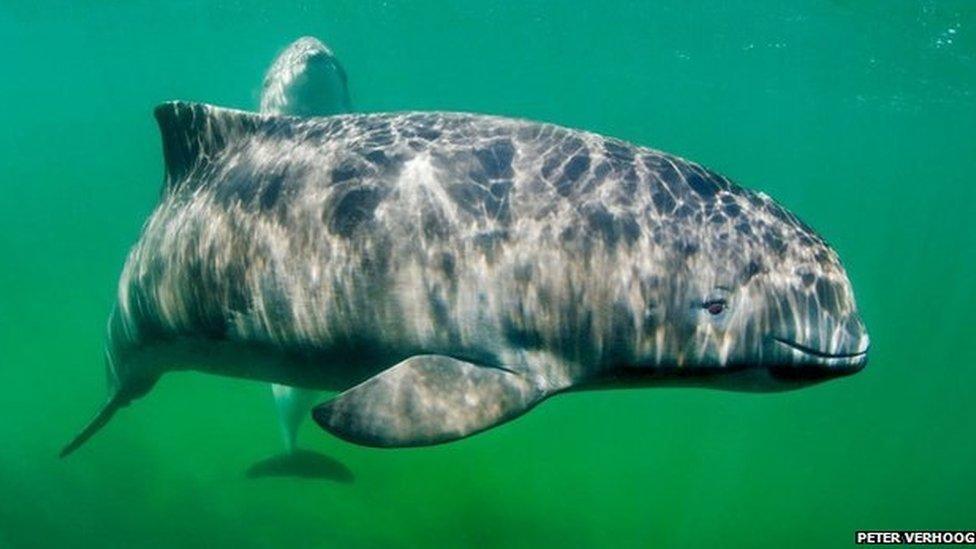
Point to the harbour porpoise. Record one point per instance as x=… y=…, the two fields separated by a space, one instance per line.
x=447 y=272
x=305 y=79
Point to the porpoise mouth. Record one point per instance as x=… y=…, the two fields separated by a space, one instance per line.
x=816 y=352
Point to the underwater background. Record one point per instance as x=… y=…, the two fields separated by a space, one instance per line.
x=859 y=116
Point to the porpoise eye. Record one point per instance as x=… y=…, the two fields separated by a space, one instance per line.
x=715 y=306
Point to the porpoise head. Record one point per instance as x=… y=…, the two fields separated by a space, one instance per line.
x=306 y=79
x=753 y=299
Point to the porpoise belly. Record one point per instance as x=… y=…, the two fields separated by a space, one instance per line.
x=334 y=369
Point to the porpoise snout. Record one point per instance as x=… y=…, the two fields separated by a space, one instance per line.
x=832 y=348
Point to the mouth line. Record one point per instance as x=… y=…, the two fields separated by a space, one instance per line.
x=814 y=352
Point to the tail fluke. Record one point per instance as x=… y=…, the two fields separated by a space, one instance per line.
x=99 y=421
x=301 y=464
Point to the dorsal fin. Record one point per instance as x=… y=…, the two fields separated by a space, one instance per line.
x=194 y=134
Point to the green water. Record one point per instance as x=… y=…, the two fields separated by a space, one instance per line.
x=858 y=116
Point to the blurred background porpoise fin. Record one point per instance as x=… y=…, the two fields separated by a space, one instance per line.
x=293 y=405
x=301 y=464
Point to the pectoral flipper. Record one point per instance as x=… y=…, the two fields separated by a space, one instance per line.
x=428 y=399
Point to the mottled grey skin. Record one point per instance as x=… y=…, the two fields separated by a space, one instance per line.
x=499 y=261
